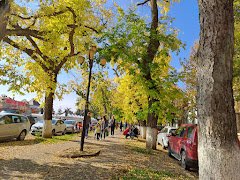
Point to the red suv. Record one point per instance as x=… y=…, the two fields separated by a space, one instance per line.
x=183 y=144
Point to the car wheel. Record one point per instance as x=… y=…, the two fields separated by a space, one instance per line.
x=169 y=151
x=183 y=160
x=64 y=132
x=53 y=132
x=21 y=136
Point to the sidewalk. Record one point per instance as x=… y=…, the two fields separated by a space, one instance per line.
x=117 y=157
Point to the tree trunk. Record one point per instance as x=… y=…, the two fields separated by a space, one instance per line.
x=48 y=110
x=151 y=140
x=151 y=135
x=219 y=153
x=4 y=9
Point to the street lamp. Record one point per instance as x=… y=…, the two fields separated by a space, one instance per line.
x=91 y=54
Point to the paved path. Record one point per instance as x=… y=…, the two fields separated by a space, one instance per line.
x=28 y=160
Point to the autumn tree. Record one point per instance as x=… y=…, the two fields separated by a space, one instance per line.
x=52 y=39
x=145 y=48
x=218 y=149
x=190 y=79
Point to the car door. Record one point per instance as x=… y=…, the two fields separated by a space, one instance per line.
x=57 y=126
x=191 y=144
x=180 y=133
x=17 y=125
x=62 y=125
x=5 y=122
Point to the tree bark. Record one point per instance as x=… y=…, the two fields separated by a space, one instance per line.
x=218 y=150
x=152 y=49
x=48 y=109
x=151 y=134
x=4 y=9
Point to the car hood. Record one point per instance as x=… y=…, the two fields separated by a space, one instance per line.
x=38 y=125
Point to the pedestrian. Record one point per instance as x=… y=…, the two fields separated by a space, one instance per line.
x=126 y=125
x=98 y=130
x=121 y=126
x=112 y=124
x=105 y=127
x=88 y=122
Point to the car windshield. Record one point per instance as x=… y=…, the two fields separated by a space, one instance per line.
x=69 y=122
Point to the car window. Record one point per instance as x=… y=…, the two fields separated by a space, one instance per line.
x=180 y=131
x=16 y=119
x=164 y=130
x=171 y=130
x=6 y=120
x=23 y=119
x=190 y=132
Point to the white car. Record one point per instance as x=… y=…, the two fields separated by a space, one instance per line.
x=58 y=127
x=13 y=126
x=71 y=126
x=162 y=136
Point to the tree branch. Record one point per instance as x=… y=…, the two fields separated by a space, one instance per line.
x=24 y=32
x=39 y=16
x=140 y=4
x=38 y=51
x=29 y=52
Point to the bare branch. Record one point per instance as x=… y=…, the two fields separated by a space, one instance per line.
x=39 y=16
x=116 y=72
x=140 y=4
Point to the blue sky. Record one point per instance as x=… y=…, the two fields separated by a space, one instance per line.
x=186 y=21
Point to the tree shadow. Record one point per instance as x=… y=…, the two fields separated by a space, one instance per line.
x=7 y=143
x=28 y=169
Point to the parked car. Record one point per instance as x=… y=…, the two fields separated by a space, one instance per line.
x=71 y=126
x=32 y=120
x=183 y=145
x=162 y=136
x=13 y=126
x=58 y=127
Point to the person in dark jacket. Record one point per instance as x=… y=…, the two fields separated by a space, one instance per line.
x=113 y=125
x=121 y=126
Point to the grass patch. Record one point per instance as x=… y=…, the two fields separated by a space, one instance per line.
x=55 y=139
x=142 y=150
x=146 y=174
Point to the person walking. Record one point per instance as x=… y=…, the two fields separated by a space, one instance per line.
x=88 y=122
x=121 y=126
x=113 y=124
x=98 y=130
x=104 y=127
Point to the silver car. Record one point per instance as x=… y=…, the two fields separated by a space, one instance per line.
x=71 y=126
x=58 y=127
x=13 y=126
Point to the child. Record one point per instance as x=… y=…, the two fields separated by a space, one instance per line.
x=98 y=130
